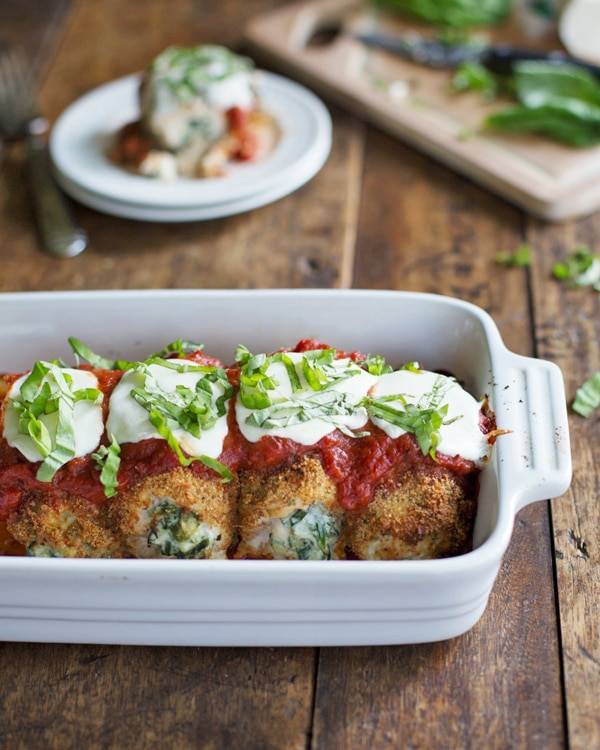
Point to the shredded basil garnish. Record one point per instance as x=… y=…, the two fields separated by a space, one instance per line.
x=163 y=429
x=83 y=351
x=521 y=258
x=414 y=367
x=424 y=419
x=581 y=268
x=587 y=398
x=108 y=460
x=191 y=409
x=376 y=365
x=318 y=368
x=330 y=406
x=179 y=347
x=48 y=390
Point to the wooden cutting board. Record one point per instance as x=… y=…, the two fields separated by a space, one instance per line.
x=415 y=103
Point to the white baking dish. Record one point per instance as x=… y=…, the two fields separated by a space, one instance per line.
x=269 y=603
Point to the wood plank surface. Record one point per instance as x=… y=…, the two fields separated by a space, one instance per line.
x=423 y=228
x=32 y=25
x=567 y=326
x=504 y=684
x=89 y=696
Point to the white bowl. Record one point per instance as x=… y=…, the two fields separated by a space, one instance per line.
x=82 y=135
x=289 y=603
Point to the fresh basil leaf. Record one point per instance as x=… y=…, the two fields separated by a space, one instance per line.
x=83 y=351
x=108 y=460
x=520 y=258
x=218 y=467
x=414 y=367
x=179 y=347
x=376 y=365
x=581 y=268
x=166 y=433
x=587 y=398
x=453 y=13
x=473 y=76
x=40 y=435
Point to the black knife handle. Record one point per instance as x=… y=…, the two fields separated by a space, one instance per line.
x=501 y=59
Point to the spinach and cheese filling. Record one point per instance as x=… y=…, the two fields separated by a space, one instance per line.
x=175 y=532
x=305 y=534
x=177 y=514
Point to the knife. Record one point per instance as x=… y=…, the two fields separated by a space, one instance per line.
x=499 y=58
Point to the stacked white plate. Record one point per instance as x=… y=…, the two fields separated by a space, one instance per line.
x=82 y=136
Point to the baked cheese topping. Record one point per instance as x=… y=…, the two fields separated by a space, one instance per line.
x=421 y=395
x=182 y=388
x=188 y=90
x=54 y=410
x=301 y=396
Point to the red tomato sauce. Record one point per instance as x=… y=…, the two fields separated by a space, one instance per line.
x=356 y=465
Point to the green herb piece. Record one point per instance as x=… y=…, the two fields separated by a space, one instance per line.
x=48 y=390
x=376 y=365
x=472 y=76
x=327 y=405
x=254 y=381
x=454 y=13
x=581 y=268
x=412 y=367
x=108 y=460
x=587 y=398
x=83 y=351
x=179 y=347
x=163 y=429
x=188 y=71
x=322 y=370
x=521 y=258
x=424 y=419
x=557 y=100
x=193 y=409
x=424 y=424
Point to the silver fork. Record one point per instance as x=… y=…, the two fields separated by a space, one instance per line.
x=20 y=120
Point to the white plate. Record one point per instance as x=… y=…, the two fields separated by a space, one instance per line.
x=289 y=602
x=200 y=213
x=83 y=133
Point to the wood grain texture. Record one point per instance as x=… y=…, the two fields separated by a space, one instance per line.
x=567 y=326
x=303 y=240
x=64 y=697
x=33 y=25
x=498 y=686
x=87 y=696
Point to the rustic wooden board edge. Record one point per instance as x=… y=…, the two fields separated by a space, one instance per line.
x=277 y=38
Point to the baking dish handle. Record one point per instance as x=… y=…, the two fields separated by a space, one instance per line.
x=534 y=462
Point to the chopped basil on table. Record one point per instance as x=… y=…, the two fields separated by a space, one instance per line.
x=521 y=258
x=581 y=268
x=587 y=398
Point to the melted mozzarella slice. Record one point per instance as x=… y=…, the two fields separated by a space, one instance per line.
x=310 y=432
x=128 y=421
x=462 y=437
x=87 y=418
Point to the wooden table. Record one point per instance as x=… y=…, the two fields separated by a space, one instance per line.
x=379 y=215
